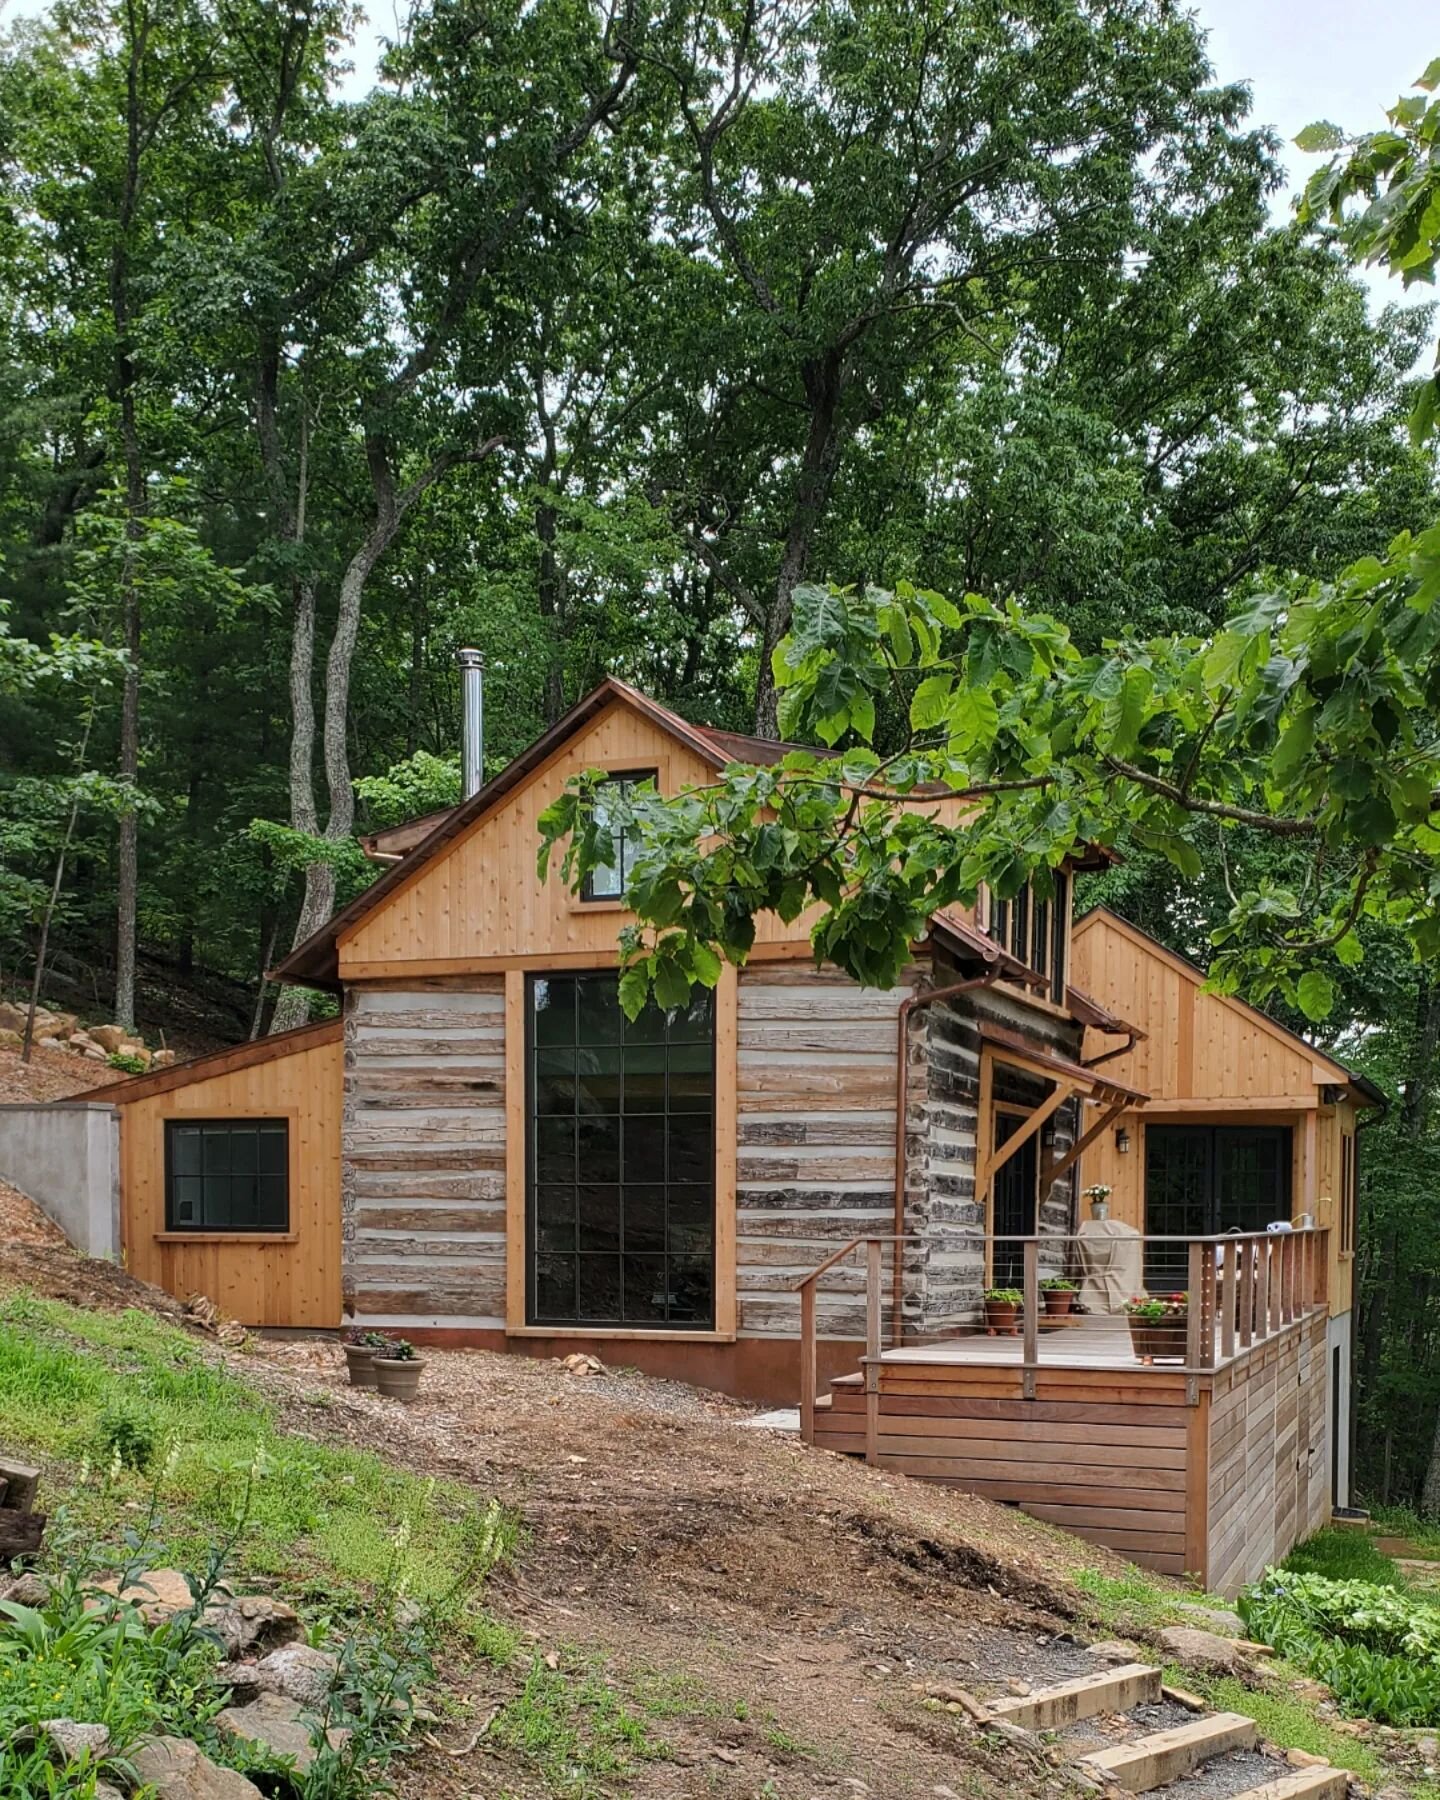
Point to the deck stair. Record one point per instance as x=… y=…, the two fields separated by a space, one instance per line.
x=1145 y=1761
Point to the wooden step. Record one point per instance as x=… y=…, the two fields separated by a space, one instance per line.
x=1164 y=1756
x=1304 y=1784
x=1112 y=1690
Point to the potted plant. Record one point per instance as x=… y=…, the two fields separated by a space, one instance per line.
x=1099 y=1197
x=398 y=1369
x=1158 y=1326
x=1002 y=1307
x=1059 y=1292
x=360 y=1347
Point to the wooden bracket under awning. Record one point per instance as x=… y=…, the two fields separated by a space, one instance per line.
x=997 y=1044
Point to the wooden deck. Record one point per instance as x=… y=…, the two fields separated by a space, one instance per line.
x=1210 y=1472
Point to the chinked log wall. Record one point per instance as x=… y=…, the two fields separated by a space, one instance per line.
x=815 y=1158
x=423 y=1182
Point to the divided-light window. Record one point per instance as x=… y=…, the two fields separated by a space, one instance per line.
x=609 y=881
x=1035 y=932
x=227 y=1175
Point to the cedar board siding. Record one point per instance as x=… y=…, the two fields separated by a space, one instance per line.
x=424 y=1154
x=256 y=1279
x=1216 y=1489
x=1208 y=1060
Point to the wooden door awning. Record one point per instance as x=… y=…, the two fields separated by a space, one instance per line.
x=1094 y=1084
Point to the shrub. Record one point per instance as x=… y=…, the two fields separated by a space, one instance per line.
x=127 y=1062
x=126 y=1438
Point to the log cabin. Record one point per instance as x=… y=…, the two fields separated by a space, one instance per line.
x=793 y=1186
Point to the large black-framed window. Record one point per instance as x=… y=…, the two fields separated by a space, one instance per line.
x=1201 y=1180
x=227 y=1174
x=609 y=881
x=620 y=1194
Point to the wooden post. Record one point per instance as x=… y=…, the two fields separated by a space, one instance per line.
x=1277 y=1277
x=1262 y=1287
x=1195 y=1322
x=1244 y=1252
x=1229 y=1297
x=808 y=1371
x=1031 y=1318
x=872 y=1349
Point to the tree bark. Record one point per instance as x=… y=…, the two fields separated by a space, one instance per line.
x=1415 y=1118
x=824 y=443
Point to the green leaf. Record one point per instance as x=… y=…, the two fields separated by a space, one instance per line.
x=931 y=702
x=1322 y=135
x=1315 y=993
x=1295 y=745
x=705 y=964
x=634 y=991
x=672 y=985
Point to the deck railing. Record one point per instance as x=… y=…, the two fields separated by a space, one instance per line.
x=1239 y=1290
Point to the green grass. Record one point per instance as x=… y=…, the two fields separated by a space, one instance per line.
x=1344 y=1555
x=574 y=1729
x=1400 y=1521
x=1285 y=1719
x=1125 y=1602
x=333 y=1521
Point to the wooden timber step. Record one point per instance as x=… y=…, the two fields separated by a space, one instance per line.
x=1114 y=1690
x=1304 y=1784
x=1164 y=1756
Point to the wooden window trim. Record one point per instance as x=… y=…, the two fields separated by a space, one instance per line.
x=273 y=1115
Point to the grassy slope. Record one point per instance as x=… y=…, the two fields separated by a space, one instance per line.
x=329 y=1522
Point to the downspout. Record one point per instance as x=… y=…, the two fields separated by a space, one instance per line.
x=1132 y=1038
x=902 y=1107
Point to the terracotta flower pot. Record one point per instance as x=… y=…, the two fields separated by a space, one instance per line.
x=1000 y=1317
x=1058 y=1301
x=397 y=1378
x=360 y=1361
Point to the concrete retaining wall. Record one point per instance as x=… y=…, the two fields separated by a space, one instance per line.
x=67 y=1159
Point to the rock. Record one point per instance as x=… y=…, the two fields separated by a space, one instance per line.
x=10 y=1040
x=297 y=1672
x=1112 y=1650
x=278 y=1726
x=1219 y=1619
x=12 y=1018
x=179 y=1770
x=73 y=1742
x=28 y=1589
x=240 y=1679
x=252 y=1622
x=104 y=1791
x=48 y=1043
x=135 y=1050
x=95 y=1053
x=1201 y=1650
x=108 y=1037
x=163 y=1059
x=1302 y=1759
x=159 y=1594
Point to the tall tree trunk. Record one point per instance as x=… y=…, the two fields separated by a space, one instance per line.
x=550 y=593
x=825 y=440
x=56 y=883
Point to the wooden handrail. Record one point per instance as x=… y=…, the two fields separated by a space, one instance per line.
x=874 y=1243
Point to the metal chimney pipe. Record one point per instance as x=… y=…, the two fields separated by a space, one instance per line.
x=472 y=706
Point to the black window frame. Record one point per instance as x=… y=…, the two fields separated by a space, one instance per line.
x=689 y=1193
x=629 y=778
x=211 y=1220
x=1059 y=937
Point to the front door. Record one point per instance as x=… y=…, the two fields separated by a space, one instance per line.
x=1012 y=1208
x=1201 y=1180
x=620 y=1225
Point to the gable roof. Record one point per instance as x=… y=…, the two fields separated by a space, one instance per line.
x=1192 y=972
x=220 y=1062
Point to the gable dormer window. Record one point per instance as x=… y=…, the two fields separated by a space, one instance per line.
x=609 y=881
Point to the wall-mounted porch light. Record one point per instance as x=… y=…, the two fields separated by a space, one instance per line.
x=1122 y=1141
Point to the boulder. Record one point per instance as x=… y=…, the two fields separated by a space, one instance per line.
x=163 y=1059
x=71 y=1742
x=159 y=1594
x=48 y=1043
x=11 y=1040
x=239 y=1678
x=131 y=1047
x=12 y=1018
x=1219 y=1619
x=1201 y=1650
x=1112 y=1650
x=297 y=1672
x=179 y=1770
x=108 y=1037
x=252 y=1622
x=278 y=1726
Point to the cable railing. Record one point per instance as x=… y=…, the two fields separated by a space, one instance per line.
x=1105 y=1298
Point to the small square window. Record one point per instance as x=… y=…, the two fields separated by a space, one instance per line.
x=227 y=1175
x=608 y=882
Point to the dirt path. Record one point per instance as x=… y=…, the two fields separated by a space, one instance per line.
x=778 y=1612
